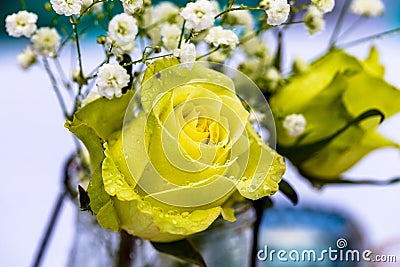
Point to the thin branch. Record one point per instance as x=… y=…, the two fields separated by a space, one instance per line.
x=182 y=33
x=49 y=229
x=54 y=83
x=339 y=23
x=78 y=49
x=209 y=52
x=350 y=28
x=62 y=73
x=238 y=8
x=369 y=38
x=144 y=59
x=23 y=5
x=343 y=181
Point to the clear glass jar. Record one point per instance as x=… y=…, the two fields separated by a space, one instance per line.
x=223 y=244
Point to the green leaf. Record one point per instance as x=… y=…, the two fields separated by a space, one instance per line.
x=372 y=65
x=90 y=139
x=98 y=196
x=299 y=153
x=108 y=217
x=102 y=115
x=183 y=249
x=288 y=191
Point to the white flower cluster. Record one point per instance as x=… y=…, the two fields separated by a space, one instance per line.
x=27 y=58
x=218 y=36
x=22 y=23
x=368 y=8
x=132 y=6
x=111 y=78
x=324 y=5
x=167 y=30
x=199 y=15
x=45 y=41
x=294 y=124
x=277 y=11
x=122 y=31
x=314 y=19
x=170 y=36
x=187 y=54
x=67 y=7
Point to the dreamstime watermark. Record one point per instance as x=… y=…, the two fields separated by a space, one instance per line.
x=339 y=253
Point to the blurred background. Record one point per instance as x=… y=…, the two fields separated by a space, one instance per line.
x=35 y=145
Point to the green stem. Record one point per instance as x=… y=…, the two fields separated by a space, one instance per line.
x=238 y=8
x=209 y=52
x=142 y=59
x=341 y=181
x=53 y=81
x=339 y=23
x=62 y=74
x=88 y=8
x=279 y=53
x=229 y=6
x=78 y=48
x=23 y=5
x=182 y=33
x=369 y=38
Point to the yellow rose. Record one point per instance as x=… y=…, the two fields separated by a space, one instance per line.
x=182 y=148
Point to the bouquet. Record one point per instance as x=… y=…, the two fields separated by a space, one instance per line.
x=190 y=113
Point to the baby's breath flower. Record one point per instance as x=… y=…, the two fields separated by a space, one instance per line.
x=240 y=17
x=170 y=36
x=132 y=6
x=26 y=58
x=166 y=12
x=111 y=78
x=187 y=54
x=120 y=49
x=221 y=37
x=45 y=41
x=20 y=24
x=314 y=20
x=199 y=15
x=277 y=12
x=273 y=77
x=324 y=5
x=295 y=124
x=368 y=8
x=122 y=29
x=67 y=7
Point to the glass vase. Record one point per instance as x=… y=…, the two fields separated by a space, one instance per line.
x=223 y=244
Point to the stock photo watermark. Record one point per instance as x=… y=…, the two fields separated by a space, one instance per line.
x=338 y=253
